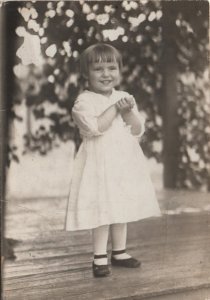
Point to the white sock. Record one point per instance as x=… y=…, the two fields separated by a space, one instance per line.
x=100 y=238
x=122 y=256
x=101 y=261
x=119 y=236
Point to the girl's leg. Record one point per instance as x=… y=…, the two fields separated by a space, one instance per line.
x=119 y=237
x=100 y=239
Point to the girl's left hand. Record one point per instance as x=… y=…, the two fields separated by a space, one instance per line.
x=125 y=104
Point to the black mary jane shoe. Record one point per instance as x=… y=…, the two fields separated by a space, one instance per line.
x=126 y=263
x=130 y=262
x=100 y=270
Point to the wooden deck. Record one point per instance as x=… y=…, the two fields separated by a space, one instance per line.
x=52 y=264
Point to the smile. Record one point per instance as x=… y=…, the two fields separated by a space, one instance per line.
x=106 y=81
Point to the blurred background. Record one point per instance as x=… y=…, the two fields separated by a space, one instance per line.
x=164 y=45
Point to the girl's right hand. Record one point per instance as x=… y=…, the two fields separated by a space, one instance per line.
x=125 y=105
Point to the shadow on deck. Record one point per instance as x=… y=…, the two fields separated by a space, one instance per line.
x=52 y=264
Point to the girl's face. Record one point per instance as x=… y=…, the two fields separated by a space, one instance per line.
x=103 y=77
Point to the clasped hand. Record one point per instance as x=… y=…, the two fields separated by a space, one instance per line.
x=125 y=104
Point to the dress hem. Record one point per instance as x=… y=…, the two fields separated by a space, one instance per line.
x=110 y=223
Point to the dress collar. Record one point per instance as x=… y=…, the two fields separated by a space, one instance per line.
x=109 y=97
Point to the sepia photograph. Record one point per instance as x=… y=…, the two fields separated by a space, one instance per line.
x=105 y=150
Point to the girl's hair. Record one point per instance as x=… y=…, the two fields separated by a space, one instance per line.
x=99 y=53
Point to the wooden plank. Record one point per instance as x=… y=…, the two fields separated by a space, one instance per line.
x=159 y=261
x=115 y=287
x=56 y=264
x=168 y=267
x=57 y=253
x=164 y=252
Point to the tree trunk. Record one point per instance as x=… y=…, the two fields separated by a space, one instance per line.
x=9 y=21
x=170 y=101
x=2 y=125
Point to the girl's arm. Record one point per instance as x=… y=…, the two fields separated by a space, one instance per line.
x=130 y=118
x=88 y=122
x=129 y=115
x=106 y=118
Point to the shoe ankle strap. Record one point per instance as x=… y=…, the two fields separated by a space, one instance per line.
x=116 y=252
x=100 y=256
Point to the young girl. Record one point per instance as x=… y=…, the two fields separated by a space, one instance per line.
x=110 y=185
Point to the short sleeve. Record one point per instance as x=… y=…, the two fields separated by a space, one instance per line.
x=85 y=118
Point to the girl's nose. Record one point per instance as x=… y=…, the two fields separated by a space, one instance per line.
x=105 y=72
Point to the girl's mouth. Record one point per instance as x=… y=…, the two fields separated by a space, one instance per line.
x=106 y=82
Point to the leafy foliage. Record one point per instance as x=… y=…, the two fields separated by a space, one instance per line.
x=194 y=131
x=193 y=96
x=65 y=28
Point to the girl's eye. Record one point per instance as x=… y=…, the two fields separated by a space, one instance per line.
x=97 y=69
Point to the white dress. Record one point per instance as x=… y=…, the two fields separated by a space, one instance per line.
x=111 y=182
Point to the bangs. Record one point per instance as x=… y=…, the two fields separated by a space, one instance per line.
x=102 y=56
